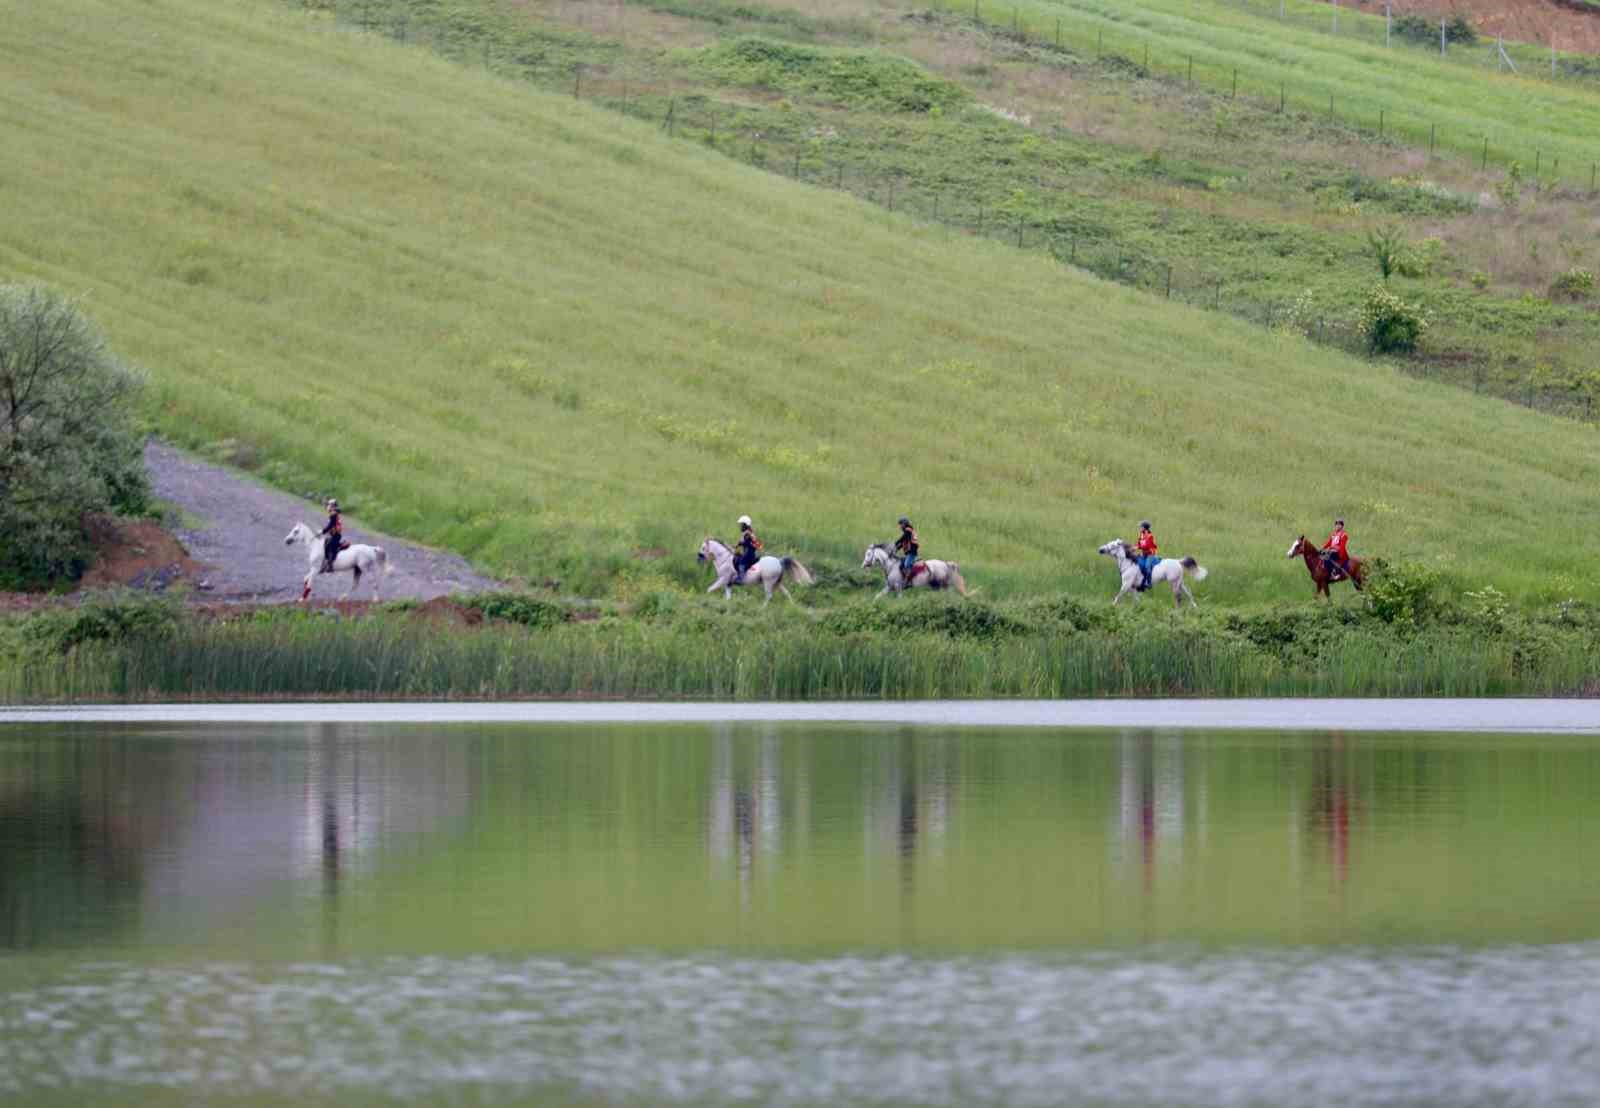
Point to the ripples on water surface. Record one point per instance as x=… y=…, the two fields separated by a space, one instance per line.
x=796 y=915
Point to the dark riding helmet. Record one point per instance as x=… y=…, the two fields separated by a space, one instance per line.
x=1338 y=523
x=1144 y=525
x=905 y=521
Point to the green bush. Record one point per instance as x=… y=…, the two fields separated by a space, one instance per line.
x=514 y=607
x=1419 y=28
x=111 y=617
x=1401 y=593
x=1391 y=325
x=923 y=615
x=856 y=77
x=1575 y=284
x=68 y=442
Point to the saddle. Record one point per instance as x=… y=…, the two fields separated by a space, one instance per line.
x=917 y=571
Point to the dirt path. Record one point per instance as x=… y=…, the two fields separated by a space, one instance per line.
x=234 y=528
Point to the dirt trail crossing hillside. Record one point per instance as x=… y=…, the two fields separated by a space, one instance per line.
x=235 y=528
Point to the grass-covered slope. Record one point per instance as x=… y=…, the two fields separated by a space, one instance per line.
x=549 y=337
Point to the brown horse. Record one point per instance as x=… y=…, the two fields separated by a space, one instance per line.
x=1321 y=572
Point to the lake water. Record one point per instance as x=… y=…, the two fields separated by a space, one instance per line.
x=798 y=913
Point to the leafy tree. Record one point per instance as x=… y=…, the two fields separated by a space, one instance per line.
x=68 y=443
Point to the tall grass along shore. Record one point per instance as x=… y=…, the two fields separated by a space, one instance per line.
x=135 y=649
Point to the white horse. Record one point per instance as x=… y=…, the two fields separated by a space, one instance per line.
x=1167 y=569
x=357 y=559
x=938 y=575
x=768 y=572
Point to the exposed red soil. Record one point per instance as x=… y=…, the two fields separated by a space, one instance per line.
x=1574 y=24
x=137 y=553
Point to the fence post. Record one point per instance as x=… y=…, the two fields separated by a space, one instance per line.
x=1282 y=94
x=672 y=107
x=838 y=182
x=1191 y=69
x=1100 y=42
x=1014 y=23
x=1235 y=93
x=1147 y=57
x=1019 y=232
x=797 y=169
x=1169 y=280
x=1380 y=122
x=1388 y=23
x=1591 y=177
x=1433 y=133
x=1072 y=252
x=577 y=80
x=1538 y=160
x=1058 y=32
x=1441 y=36
x=1485 y=163
x=1330 y=105
x=1335 y=16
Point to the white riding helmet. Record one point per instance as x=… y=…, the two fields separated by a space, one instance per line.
x=744 y=521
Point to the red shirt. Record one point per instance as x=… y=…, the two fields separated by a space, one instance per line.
x=1147 y=542
x=1337 y=542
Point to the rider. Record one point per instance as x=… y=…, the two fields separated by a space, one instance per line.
x=906 y=546
x=747 y=552
x=335 y=532
x=1336 y=551
x=1147 y=551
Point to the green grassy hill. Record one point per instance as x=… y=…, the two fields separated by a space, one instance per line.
x=552 y=338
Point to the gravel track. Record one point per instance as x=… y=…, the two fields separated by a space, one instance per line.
x=236 y=527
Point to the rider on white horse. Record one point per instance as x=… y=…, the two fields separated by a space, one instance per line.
x=335 y=533
x=907 y=547
x=1147 y=551
x=747 y=552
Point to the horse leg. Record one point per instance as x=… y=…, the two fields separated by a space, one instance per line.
x=784 y=589
x=1193 y=603
x=306 y=592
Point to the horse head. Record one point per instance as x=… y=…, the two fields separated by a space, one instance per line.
x=875 y=555
x=1298 y=548
x=708 y=549
x=298 y=533
x=1115 y=548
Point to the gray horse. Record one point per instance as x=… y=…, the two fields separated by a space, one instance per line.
x=938 y=575
x=1171 y=570
x=769 y=572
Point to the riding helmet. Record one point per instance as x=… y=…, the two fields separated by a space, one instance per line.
x=333 y=503
x=1144 y=524
x=744 y=521
x=1338 y=523
x=905 y=521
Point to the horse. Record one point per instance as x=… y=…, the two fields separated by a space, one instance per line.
x=1321 y=572
x=1167 y=569
x=931 y=574
x=357 y=558
x=768 y=572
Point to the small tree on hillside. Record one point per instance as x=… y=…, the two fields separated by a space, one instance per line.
x=1386 y=245
x=68 y=444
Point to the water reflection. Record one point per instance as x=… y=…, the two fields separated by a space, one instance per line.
x=333 y=840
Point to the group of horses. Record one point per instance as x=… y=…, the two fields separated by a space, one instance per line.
x=770 y=572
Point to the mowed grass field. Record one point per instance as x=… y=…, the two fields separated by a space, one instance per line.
x=548 y=337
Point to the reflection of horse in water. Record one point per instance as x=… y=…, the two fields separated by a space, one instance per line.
x=1333 y=802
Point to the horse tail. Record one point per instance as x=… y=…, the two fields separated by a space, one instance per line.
x=1195 y=568
x=956 y=581
x=383 y=561
x=801 y=575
